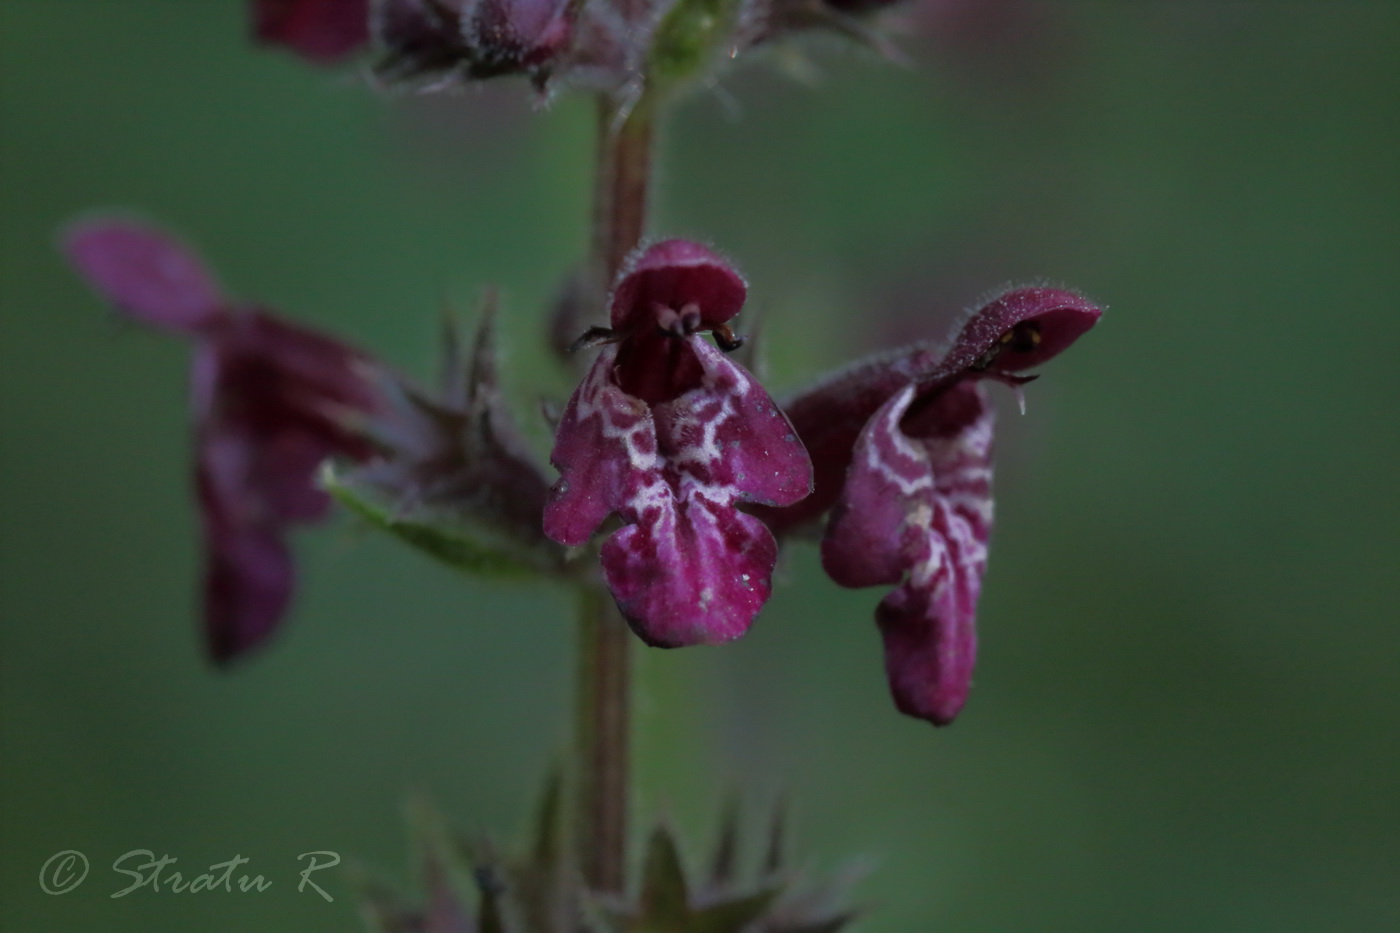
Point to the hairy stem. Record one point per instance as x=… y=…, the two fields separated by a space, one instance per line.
x=622 y=185
x=604 y=680
x=603 y=754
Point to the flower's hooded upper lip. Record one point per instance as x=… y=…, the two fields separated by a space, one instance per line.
x=674 y=274
x=829 y=415
x=1058 y=319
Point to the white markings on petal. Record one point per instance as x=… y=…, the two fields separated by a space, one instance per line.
x=889 y=430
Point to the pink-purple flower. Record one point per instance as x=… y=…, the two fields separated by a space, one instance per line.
x=271 y=402
x=903 y=452
x=671 y=436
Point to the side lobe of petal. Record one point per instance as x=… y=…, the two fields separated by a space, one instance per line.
x=148 y=274
x=604 y=448
x=730 y=436
x=888 y=487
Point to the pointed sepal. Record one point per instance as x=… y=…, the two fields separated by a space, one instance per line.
x=454 y=478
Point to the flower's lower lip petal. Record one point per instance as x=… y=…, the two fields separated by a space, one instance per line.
x=930 y=650
x=248 y=583
x=693 y=573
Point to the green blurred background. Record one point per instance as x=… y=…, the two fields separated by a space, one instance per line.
x=1187 y=710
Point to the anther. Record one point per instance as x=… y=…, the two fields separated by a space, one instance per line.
x=1023 y=338
x=595 y=336
x=726 y=338
x=680 y=323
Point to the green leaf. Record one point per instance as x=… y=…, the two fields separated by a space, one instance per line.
x=455 y=540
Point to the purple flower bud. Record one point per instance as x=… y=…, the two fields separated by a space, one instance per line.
x=271 y=402
x=902 y=447
x=509 y=36
x=670 y=435
x=475 y=39
x=419 y=37
x=321 y=31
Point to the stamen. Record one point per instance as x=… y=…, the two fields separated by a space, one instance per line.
x=675 y=323
x=727 y=340
x=595 y=336
x=1023 y=338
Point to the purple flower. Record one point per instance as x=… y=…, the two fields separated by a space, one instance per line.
x=903 y=452
x=271 y=401
x=670 y=435
x=321 y=31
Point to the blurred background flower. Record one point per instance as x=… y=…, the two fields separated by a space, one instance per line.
x=1186 y=693
x=322 y=31
x=269 y=403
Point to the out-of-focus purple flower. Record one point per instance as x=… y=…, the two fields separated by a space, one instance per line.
x=671 y=436
x=902 y=446
x=321 y=31
x=271 y=401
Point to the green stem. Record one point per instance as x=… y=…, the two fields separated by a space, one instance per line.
x=604 y=681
